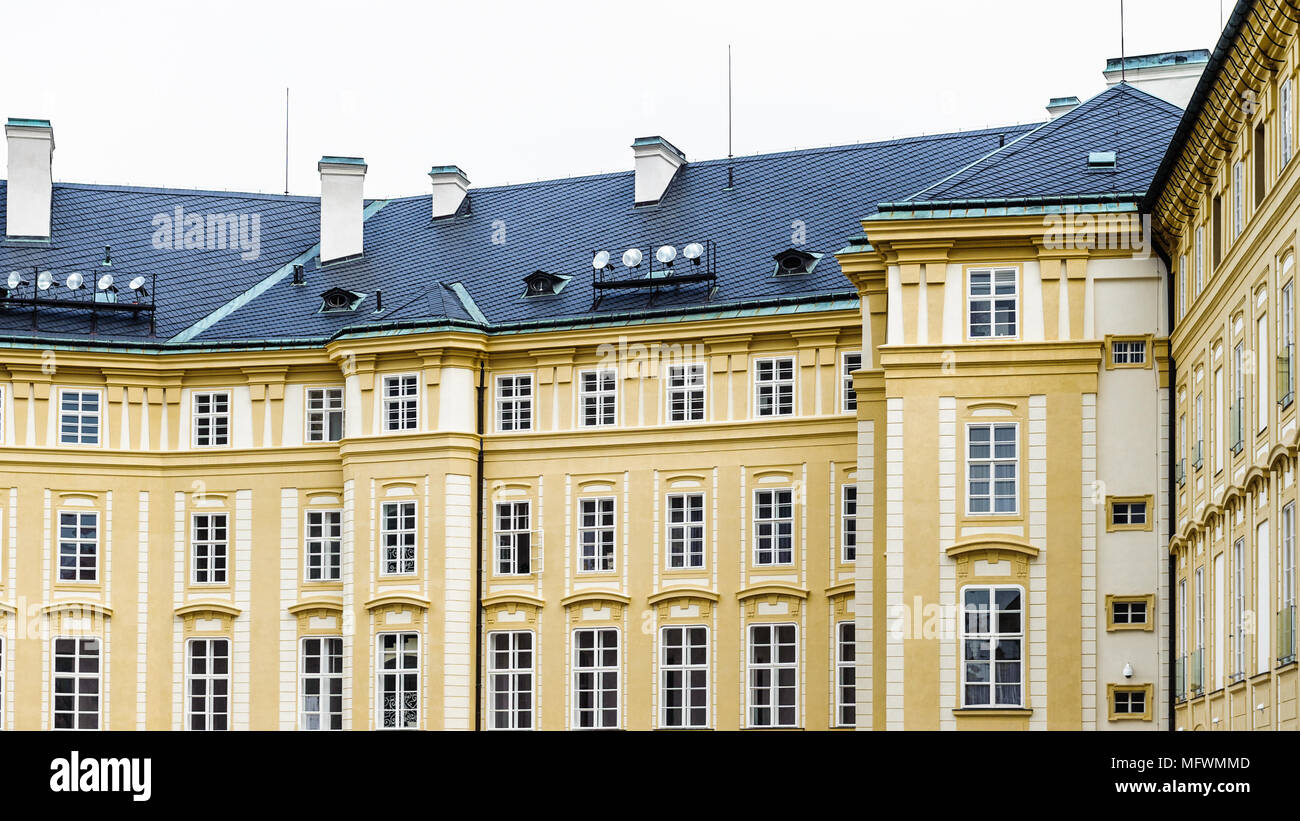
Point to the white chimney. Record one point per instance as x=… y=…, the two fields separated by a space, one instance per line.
x=341 y=205
x=1171 y=75
x=656 y=162
x=1060 y=105
x=449 y=190
x=27 y=195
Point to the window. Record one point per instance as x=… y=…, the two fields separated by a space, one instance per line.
x=1286 y=352
x=1287 y=130
x=1182 y=286
x=595 y=678
x=1129 y=612
x=686 y=392
x=1200 y=608
x=510 y=680
x=79 y=417
x=992 y=465
x=1128 y=352
x=1219 y=409
x=1239 y=608
x=598 y=398
x=1238 y=199
x=992 y=303
x=209 y=684
x=1237 y=411
x=992 y=644
x=1130 y=701
x=848 y=364
x=401 y=402
x=685 y=530
x=322 y=683
x=684 y=677
x=849 y=523
x=76 y=684
x=210 y=548
x=78 y=547
x=1261 y=373
x=399 y=681
x=514 y=403
x=211 y=420
x=1182 y=448
x=1287 y=627
x=397 y=535
x=773 y=527
x=1200 y=431
x=596 y=534
x=1260 y=178
x=1200 y=258
x=1182 y=617
x=774 y=386
x=324 y=414
x=1129 y=513
x=1216 y=232
x=513 y=538
x=846 y=671
x=324 y=545
x=773 y=675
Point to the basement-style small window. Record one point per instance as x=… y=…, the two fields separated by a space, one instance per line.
x=338 y=300
x=792 y=261
x=542 y=283
x=1101 y=160
x=1128 y=513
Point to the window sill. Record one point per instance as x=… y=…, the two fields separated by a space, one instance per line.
x=1004 y=712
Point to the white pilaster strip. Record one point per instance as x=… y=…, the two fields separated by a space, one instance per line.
x=349 y=597
x=458 y=618
x=863 y=567
x=1162 y=563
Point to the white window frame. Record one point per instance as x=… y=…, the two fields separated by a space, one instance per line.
x=679 y=529
x=993 y=461
x=1199 y=263
x=513 y=540
x=401 y=675
x=1262 y=402
x=214 y=567
x=848 y=398
x=848 y=522
x=82 y=416
x=78 y=544
x=1182 y=625
x=1182 y=286
x=212 y=702
x=1129 y=512
x=328 y=545
x=1128 y=352
x=316 y=422
x=846 y=671
x=992 y=299
x=598 y=531
x=1239 y=607
x=76 y=676
x=1200 y=614
x=599 y=669
x=514 y=680
x=1238 y=199
x=325 y=678
x=216 y=423
x=399 y=535
x=406 y=404
x=1287 y=137
x=773 y=666
x=777 y=386
x=1131 y=609
x=770 y=542
x=693 y=389
x=690 y=716
x=993 y=634
x=514 y=412
x=603 y=399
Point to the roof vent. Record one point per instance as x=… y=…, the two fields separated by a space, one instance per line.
x=339 y=300
x=656 y=162
x=542 y=283
x=1101 y=160
x=793 y=261
x=1061 y=105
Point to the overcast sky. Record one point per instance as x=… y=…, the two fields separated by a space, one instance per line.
x=192 y=95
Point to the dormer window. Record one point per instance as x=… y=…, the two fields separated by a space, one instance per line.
x=338 y=300
x=793 y=261
x=1101 y=160
x=541 y=283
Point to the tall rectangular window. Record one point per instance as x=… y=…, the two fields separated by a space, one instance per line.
x=774 y=527
x=211 y=419
x=598 y=398
x=849 y=522
x=515 y=403
x=686 y=392
x=685 y=530
x=510 y=680
x=401 y=402
x=1182 y=286
x=324 y=414
x=398 y=691
x=992 y=468
x=773 y=675
x=397 y=537
x=208 y=688
x=992 y=647
x=1237 y=413
x=1239 y=607
x=1199 y=263
x=774 y=386
x=846 y=671
x=1200 y=608
x=76 y=692
x=851 y=362
x=595 y=678
x=596 y=529
x=1238 y=199
x=1261 y=373
x=1216 y=231
x=322 y=683
x=324 y=545
x=1200 y=430
x=992 y=301
x=210 y=548
x=78 y=547
x=1286 y=581
x=79 y=417
x=1261 y=179
x=514 y=538
x=1219 y=409
x=684 y=677
x=1182 y=617
x=1286 y=352
x=1285 y=115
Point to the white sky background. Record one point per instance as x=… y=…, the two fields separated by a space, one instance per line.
x=192 y=95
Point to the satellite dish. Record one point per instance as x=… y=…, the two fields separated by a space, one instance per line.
x=600 y=260
x=74 y=281
x=45 y=280
x=693 y=251
x=15 y=279
x=666 y=254
x=105 y=282
x=137 y=283
x=632 y=257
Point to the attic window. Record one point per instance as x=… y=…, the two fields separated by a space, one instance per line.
x=542 y=283
x=793 y=261
x=338 y=300
x=1101 y=160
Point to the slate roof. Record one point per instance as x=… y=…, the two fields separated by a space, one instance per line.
x=215 y=297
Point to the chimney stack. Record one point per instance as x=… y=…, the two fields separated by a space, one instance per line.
x=656 y=162
x=1171 y=75
x=450 y=187
x=1061 y=105
x=342 y=202
x=30 y=183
